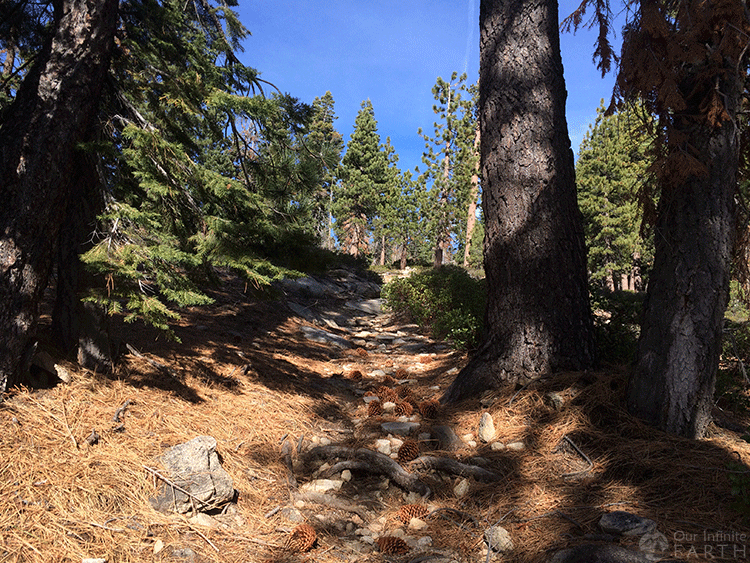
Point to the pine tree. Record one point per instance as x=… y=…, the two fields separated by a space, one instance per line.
x=610 y=172
x=362 y=177
x=450 y=158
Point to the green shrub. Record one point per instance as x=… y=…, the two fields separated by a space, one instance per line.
x=447 y=301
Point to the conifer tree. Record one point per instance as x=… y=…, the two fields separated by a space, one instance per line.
x=362 y=178
x=450 y=158
x=610 y=173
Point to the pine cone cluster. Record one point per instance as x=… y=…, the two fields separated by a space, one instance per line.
x=429 y=409
x=408 y=451
x=404 y=408
x=386 y=394
x=388 y=380
x=375 y=408
x=392 y=545
x=409 y=511
x=301 y=539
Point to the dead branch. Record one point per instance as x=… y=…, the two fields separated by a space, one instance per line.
x=119 y=412
x=158 y=365
x=376 y=463
x=583 y=455
x=286 y=454
x=333 y=502
x=456 y=468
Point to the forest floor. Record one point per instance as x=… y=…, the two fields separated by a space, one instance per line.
x=246 y=373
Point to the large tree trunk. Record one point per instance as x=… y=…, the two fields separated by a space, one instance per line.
x=538 y=318
x=678 y=353
x=52 y=113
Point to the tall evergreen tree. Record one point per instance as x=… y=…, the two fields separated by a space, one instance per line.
x=538 y=318
x=450 y=160
x=363 y=176
x=610 y=172
x=688 y=62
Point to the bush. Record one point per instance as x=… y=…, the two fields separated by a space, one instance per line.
x=447 y=301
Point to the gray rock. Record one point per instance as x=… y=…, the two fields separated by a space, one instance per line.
x=444 y=438
x=369 y=306
x=599 y=553
x=625 y=523
x=486 y=431
x=400 y=428
x=324 y=337
x=498 y=539
x=301 y=311
x=194 y=467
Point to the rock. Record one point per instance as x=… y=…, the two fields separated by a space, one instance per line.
x=322 y=485
x=389 y=407
x=399 y=428
x=486 y=430
x=377 y=373
x=301 y=311
x=203 y=519
x=383 y=446
x=292 y=514
x=195 y=467
x=370 y=306
x=498 y=539
x=346 y=475
x=417 y=524
x=555 y=400
x=624 y=523
x=497 y=446
x=516 y=446
x=324 y=337
x=461 y=488
x=600 y=553
x=445 y=438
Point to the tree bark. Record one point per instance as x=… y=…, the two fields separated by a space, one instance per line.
x=52 y=113
x=678 y=352
x=538 y=318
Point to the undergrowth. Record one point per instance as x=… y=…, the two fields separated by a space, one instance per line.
x=447 y=301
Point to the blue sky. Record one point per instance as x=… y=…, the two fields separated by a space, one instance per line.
x=392 y=52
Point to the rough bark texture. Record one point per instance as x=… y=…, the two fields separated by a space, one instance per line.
x=678 y=354
x=471 y=215
x=51 y=115
x=538 y=317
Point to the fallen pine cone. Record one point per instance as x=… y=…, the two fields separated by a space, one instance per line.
x=361 y=352
x=301 y=539
x=429 y=409
x=404 y=408
x=409 y=511
x=375 y=408
x=391 y=545
x=386 y=394
x=408 y=451
x=355 y=375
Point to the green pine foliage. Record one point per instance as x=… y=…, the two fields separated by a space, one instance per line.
x=201 y=169
x=610 y=172
x=364 y=177
x=450 y=161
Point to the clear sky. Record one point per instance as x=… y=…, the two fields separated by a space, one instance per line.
x=392 y=52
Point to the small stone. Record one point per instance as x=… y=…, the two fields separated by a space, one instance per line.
x=325 y=441
x=389 y=407
x=424 y=542
x=322 y=485
x=383 y=446
x=498 y=539
x=396 y=443
x=516 y=446
x=377 y=373
x=299 y=504
x=346 y=475
x=203 y=519
x=158 y=546
x=471 y=444
x=497 y=446
x=461 y=488
x=417 y=524
x=486 y=430
x=467 y=437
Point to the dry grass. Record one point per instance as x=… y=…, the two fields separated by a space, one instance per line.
x=63 y=500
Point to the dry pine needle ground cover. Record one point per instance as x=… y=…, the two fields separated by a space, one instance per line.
x=245 y=375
